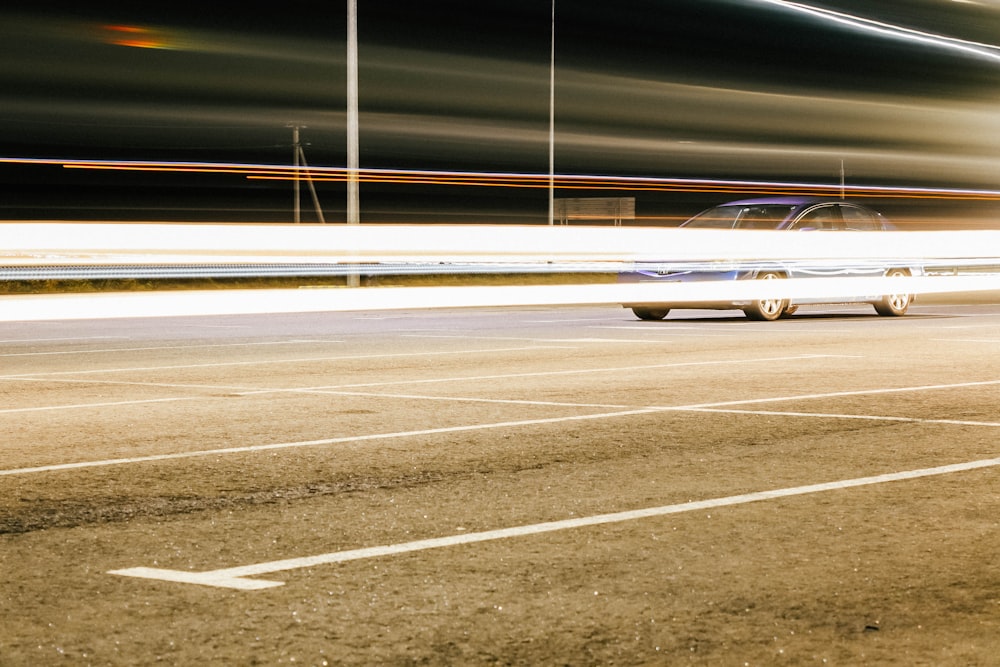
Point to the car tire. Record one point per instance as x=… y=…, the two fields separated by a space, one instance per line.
x=650 y=314
x=894 y=305
x=789 y=311
x=767 y=310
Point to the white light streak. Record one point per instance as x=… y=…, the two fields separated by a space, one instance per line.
x=240 y=302
x=33 y=244
x=977 y=49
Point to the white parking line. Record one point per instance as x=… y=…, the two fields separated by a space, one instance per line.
x=839 y=394
x=574 y=371
x=236 y=577
x=62 y=340
x=249 y=391
x=671 y=331
x=314 y=443
x=568 y=320
x=117 y=350
x=829 y=415
x=466 y=399
x=474 y=427
x=110 y=404
x=255 y=362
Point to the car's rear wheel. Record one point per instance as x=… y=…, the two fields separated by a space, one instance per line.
x=767 y=310
x=650 y=313
x=894 y=305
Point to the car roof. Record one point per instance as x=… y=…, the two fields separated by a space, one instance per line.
x=790 y=200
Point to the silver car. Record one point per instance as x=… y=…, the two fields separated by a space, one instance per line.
x=776 y=213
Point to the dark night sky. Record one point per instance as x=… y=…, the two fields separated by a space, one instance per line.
x=644 y=87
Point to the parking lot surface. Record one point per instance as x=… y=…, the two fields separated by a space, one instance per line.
x=503 y=486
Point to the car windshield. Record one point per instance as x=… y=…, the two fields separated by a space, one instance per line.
x=757 y=216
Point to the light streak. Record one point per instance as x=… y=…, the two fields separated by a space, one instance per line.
x=977 y=49
x=105 y=305
x=75 y=244
x=514 y=179
x=41 y=243
x=140 y=37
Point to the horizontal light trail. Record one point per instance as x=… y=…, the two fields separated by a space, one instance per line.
x=236 y=577
x=893 y=31
x=513 y=179
x=236 y=302
x=37 y=244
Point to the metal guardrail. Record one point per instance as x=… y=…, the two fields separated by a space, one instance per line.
x=316 y=270
x=279 y=270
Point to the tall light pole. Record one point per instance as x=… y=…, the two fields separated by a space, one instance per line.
x=552 y=118
x=353 y=203
x=353 y=200
x=295 y=165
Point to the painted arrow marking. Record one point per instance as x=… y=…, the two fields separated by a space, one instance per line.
x=236 y=577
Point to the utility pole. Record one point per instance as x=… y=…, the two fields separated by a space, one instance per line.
x=299 y=161
x=353 y=199
x=295 y=171
x=552 y=118
x=353 y=203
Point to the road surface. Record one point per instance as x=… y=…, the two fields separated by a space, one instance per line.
x=502 y=486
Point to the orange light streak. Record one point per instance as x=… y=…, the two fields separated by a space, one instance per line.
x=135 y=36
x=516 y=180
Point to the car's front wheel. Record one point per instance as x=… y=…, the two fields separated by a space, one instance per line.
x=767 y=310
x=894 y=305
x=650 y=314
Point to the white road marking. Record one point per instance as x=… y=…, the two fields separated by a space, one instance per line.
x=568 y=319
x=666 y=331
x=63 y=339
x=828 y=415
x=471 y=427
x=116 y=350
x=987 y=325
x=223 y=364
x=236 y=577
x=83 y=406
x=668 y=327
x=574 y=371
x=643 y=341
x=247 y=391
x=838 y=394
x=466 y=399
x=217 y=326
x=324 y=441
x=129 y=383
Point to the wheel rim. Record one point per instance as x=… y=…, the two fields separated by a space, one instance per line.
x=770 y=307
x=897 y=301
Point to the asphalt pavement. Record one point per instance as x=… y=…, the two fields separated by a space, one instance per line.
x=505 y=486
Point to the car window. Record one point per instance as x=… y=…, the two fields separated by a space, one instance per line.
x=762 y=217
x=758 y=216
x=720 y=217
x=857 y=219
x=820 y=218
